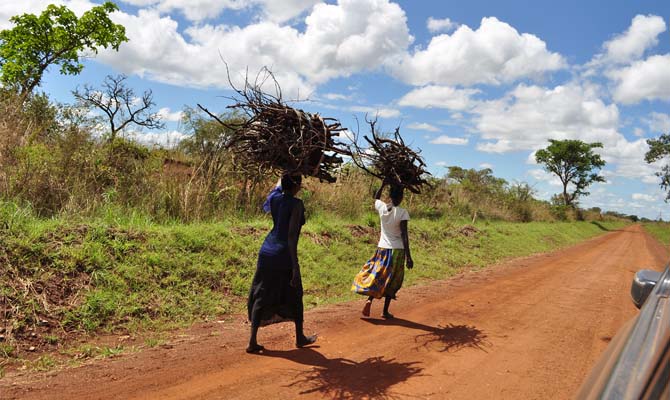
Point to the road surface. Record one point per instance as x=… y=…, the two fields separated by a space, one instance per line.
x=530 y=328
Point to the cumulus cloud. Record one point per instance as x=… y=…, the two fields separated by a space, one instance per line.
x=439 y=97
x=336 y=96
x=162 y=139
x=9 y=9
x=381 y=112
x=643 y=80
x=640 y=36
x=423 y=127
x=440 y=25
x=544 y=176
x=199 y=10
x=659 y=122
x=338 y=40
x=444 y=139
x=493 y=54
x=643 y=197
x=528 y=116
x=166 y=114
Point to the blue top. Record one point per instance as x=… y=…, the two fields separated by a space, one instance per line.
x=274 y=251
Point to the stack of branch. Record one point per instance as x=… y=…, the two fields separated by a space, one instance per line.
x=390 y=159
x=275 y=136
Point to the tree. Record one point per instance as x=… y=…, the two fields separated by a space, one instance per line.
x=56 y=37
x=574 y=162
x=659 y=149
x=120 y=105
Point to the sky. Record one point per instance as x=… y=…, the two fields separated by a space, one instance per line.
x=476 y=84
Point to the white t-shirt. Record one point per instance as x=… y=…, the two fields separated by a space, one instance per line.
x=391 y=236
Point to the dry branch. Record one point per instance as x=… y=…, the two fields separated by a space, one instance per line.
x=391 y=160
x=275 y=136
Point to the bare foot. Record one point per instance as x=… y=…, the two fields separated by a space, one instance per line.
x=366 y=308
x=305 y=341
x=255 y=348
x=387 y=315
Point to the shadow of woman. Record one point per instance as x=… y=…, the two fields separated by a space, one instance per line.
x=449 y=337
x=341 y=378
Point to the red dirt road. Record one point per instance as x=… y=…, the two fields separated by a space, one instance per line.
x=527 y=329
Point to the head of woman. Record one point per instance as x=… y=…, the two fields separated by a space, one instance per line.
x=291 y=183
x=396 y=194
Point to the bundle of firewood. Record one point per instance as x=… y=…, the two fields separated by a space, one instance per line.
x=389 y=159
x=275 y=136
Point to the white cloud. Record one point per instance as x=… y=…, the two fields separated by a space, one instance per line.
x=153 y=138
x=544 y=176
x=643 y=80
x=439 y=97
x=381 y=112
x=336 y=96
x=200 y=10
x=423 y=127
x=640 y=36
x=338 y=40
x=9 y=9
x=440 y=25
x=528 y=116
x=659 y=123
x=442 y=164
x=639 y=132
x=167 y=115
x=493 y=54
x=444 y=139
x=644 y=197
x=486 y=165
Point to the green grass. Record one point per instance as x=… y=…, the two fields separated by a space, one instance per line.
x=660 y=230
x=118 y=275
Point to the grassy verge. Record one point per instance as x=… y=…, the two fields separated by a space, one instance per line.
x=124 y=274
x=660 y=230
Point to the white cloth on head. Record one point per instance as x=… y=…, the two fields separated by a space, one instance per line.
x=390 y=216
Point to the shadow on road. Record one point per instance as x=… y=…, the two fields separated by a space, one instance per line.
x=340 y=378
x=450 y=337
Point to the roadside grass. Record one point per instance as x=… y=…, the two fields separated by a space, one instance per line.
x=122 y=273
x=660 y=230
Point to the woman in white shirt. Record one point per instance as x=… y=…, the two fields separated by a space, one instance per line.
x=383 y=274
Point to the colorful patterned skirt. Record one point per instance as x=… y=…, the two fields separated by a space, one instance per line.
x=382 y=275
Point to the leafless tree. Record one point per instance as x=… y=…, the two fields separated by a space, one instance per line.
x=120 y=104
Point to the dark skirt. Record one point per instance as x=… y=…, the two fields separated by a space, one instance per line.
x=272 y=298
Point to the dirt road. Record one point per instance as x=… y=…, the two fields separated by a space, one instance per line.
x=527 y=329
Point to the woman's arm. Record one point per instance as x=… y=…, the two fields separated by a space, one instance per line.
x=294 y=227
x=378 y=193
x=405 y=242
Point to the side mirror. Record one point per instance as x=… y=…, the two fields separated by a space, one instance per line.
x=643 y=284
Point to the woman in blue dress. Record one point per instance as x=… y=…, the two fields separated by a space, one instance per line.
x=276 y=291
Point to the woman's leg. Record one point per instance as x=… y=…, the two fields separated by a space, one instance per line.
x=387 y=303
x=366 y=307
x=254 y=347
x=300 y=339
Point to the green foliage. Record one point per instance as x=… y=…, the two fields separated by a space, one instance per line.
x=660 y=230
x=574 y=162
x=660 y=149
x=55 y=37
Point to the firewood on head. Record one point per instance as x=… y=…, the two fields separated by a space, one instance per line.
x=277 y=137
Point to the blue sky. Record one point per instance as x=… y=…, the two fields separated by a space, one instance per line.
x=474 y=83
